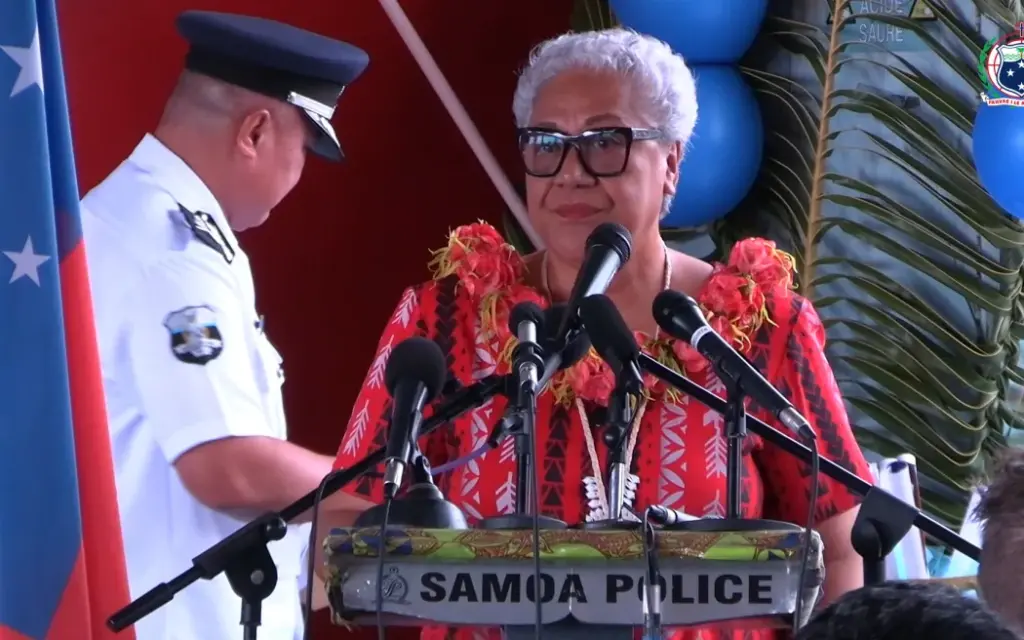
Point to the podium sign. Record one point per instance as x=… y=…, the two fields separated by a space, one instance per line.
x=486 y=578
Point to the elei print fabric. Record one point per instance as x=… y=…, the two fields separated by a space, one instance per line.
x=679 y=454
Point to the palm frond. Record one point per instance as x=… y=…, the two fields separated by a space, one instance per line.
x=591 y=15
x=916 y=272
x=887 y=259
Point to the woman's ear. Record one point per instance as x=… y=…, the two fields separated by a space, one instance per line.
x=672 y=162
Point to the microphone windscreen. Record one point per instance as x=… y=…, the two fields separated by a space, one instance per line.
x=553 y=317
x=572 y=352
x=615 y=237
x=677 y=312
x=419 y=360
x=575 y=350
x=526 y=312
x=608 y=331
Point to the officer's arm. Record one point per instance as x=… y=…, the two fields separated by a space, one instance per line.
x=201 y=389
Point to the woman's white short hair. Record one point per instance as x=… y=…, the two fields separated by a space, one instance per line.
x=662 y=74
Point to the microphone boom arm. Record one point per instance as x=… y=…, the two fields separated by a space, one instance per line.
x=877 y=501
x=247 y=546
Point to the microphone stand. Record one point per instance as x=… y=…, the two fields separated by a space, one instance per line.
x=620 y=417
x=735 y=414
x=735 y=432
x=883 y=519
x=243 y=556
x=520 y=422
x=422 y=505
x=620 y=414
x=526 y=408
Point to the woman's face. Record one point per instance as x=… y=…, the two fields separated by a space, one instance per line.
x=565 y=207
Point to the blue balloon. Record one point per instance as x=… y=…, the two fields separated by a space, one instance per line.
x=703 y=31
x=724 y=154
x=998 y=144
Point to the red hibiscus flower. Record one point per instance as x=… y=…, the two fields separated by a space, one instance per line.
x=592 y=379
x=481 y=237
x=763 y=262
x=654 y=385
x=723 y=327
x=484 y=273
x=688 y=357
x=483 y=261
x=731 y=293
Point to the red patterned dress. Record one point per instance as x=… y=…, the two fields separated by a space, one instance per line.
x=678 y=447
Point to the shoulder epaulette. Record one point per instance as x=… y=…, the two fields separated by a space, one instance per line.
x=205 y=229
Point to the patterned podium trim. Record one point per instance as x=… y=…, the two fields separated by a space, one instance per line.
x=568 y=544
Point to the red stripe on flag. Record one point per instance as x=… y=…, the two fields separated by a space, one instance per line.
x=103 y=564
x=72 y=612
x=6 y=633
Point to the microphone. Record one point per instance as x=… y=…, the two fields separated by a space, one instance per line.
x=678 y=315
x=612 y=339
x=608 y=248
x=615 y=343
x=525 y=321
x=660 y=514
x=554 y=361
x=560 y=356
x=414 y=375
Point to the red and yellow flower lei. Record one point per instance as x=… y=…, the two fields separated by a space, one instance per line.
x=734 y=300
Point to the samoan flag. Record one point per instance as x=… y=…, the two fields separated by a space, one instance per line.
x=62 y=570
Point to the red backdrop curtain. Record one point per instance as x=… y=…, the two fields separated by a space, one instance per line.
x=333 y=259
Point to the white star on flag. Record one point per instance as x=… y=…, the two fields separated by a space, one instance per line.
x=26 y=262
x=31 y=62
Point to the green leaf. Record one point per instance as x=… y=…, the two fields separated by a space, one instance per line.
x=913 y=379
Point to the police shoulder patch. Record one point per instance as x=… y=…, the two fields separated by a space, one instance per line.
x=205 y=230
x=195 y=338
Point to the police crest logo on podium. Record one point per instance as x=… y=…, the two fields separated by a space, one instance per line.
x=394 y=588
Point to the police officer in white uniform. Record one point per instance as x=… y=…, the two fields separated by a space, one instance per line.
x=193 y=386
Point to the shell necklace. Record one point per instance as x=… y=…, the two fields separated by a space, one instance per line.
x=594 y=486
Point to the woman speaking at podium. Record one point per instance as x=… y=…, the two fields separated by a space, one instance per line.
x=604 y=120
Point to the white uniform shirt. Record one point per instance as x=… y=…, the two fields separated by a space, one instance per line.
x=185 y=362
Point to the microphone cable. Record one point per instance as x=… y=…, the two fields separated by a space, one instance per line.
x=812 y=444
x=307 y=605
x=381 y=552
x=652 y=615
x=415 y=373
x=525 y=315
x=538 y=590
x=576 y=347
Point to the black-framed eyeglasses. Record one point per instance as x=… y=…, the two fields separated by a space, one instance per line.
x=603 y=152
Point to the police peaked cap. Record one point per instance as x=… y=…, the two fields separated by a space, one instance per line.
x=299 y=67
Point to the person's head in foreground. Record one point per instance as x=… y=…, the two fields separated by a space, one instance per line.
x=1001 y=567
x=604 y=119
x=905 y=611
